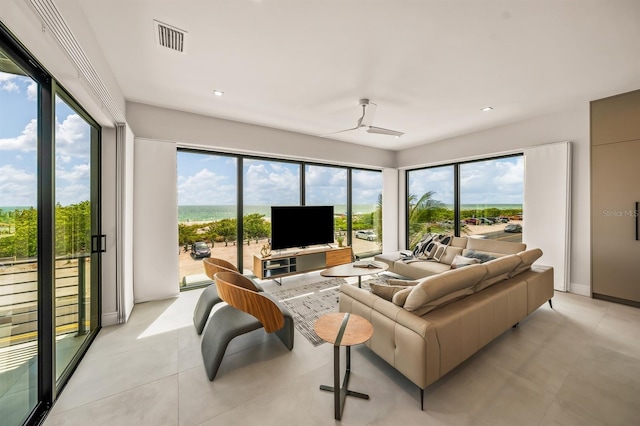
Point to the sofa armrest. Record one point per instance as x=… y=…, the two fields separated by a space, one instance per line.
x=404 y=340
x=386 y=308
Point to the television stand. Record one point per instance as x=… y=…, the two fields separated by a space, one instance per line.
x=301 y=261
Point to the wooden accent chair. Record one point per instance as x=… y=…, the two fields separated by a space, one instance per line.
x=246 y=310
x=209 y=297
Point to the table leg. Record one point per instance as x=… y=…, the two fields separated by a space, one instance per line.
x=340 y=393
x=359 y=281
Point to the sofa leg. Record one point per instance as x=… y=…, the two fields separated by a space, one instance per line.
x=515 y=325
x=421 y=399
x=550 y=304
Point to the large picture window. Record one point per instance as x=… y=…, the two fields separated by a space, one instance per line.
x=480 y=199
x=225 y=200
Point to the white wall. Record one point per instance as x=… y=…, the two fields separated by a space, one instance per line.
x=569 y=125
x=195 y=130
x=155 y=218
x=127 y=217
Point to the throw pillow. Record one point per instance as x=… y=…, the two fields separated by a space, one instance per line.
x=482 y=257
x=461 y=261
x=439 y=251
x=450 y=254
x=386 y=291
x=406 y=283
x=401 y=296
x=434 y=250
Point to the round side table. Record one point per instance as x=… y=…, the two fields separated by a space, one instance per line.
x=342 y=329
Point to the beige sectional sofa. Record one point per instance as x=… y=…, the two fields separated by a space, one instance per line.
x=419 y=268
x=425 y=328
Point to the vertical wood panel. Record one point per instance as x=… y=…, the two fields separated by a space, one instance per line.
x=547 y=207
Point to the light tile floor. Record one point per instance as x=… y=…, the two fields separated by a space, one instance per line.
x=576 y=364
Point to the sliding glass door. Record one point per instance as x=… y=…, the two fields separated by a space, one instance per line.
x=77 y=205
x=49 y=235
x=19 y=302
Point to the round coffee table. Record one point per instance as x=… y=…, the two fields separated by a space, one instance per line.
x=350 y=270
x=342 y=329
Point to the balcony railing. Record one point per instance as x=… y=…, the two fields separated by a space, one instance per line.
x=19 y=298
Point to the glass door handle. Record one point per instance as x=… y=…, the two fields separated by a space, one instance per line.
x=98 y=243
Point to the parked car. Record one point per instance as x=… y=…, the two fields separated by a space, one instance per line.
x=200 y=250
x=366 y=235
x=472 y=221
x=484 y=221
x=513 y=227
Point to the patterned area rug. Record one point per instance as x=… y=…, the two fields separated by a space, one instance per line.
x=309 y=302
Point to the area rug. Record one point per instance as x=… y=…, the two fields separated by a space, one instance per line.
x=309 y=302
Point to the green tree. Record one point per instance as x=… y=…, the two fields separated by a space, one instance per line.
x=255 y=227
x=227 y=229
x=423 y=213
x=26 y=237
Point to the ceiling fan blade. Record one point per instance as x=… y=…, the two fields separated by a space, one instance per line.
x=339 y=131
x=369 y=114
x=381 y=131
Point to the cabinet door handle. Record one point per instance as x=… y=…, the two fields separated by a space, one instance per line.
x=636 y=214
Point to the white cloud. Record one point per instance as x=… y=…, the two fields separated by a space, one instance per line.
x=32 y=91
x=271 y=184
x=79 y=173
x=17 y=187
x=73 y=138
x=206 y=188
x=25 y=142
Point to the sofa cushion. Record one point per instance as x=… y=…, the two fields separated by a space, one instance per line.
x=417 y=269
x=527 y=258
x=459 y=242
x=386 y=291
x=450 y=254
x=460 y=261
x=498 y=270
x=439 y=290
x=495 y=248
x=401 y=296
x=398 y=281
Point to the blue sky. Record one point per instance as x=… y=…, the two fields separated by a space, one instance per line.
x=18 y=150
x=207 y=179
x=497 y=181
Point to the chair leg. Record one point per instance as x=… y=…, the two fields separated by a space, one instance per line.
x=286 y=333
x=226 y=324
x=550 y=304
x=207 y=300
x=515 y=325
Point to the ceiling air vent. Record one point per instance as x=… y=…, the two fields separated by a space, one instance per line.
x=170 y=37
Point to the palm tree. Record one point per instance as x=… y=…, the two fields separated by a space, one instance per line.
x=421 y=214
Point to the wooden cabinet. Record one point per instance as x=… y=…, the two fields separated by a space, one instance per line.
x=277 y=266
x=615 y=173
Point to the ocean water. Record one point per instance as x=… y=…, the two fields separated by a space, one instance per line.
x=212 y=213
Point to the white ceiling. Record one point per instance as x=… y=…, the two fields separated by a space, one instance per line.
x=430 y=65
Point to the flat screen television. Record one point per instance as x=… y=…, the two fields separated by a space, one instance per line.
x=301 y=226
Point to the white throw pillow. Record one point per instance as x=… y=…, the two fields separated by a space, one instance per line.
x=460 y=261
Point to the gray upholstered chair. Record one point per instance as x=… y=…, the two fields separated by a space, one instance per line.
x=209 y=297
x=246 y=310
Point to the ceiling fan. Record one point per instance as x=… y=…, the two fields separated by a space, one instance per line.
x=365 y=121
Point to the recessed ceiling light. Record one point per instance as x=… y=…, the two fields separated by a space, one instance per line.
x=396 y=137
x=218 y=92
x=485 y=109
